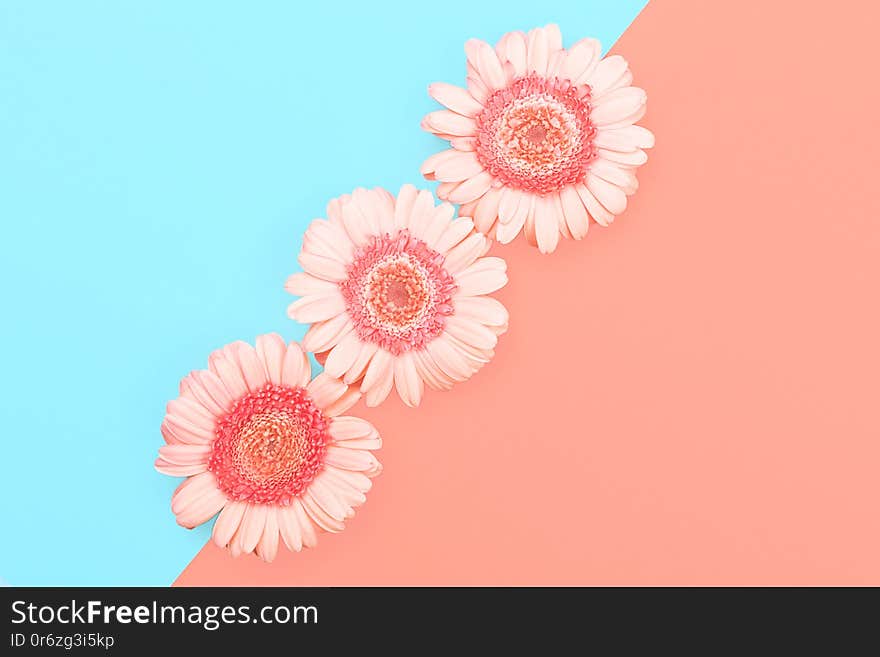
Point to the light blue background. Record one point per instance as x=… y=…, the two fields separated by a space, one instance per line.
x=158 y=163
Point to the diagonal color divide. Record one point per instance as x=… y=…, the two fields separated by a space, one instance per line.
x=158 y=167
x=687 y=397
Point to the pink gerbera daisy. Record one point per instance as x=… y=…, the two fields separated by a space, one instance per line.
x=542 y=139
x=395 y=289
x=266 y=446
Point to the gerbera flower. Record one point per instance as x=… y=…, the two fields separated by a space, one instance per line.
x=542 y=139
x=266 y=446
x=396 y=291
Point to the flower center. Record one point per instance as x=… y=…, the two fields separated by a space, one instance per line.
x=397 y=292
x=269 y=446
x=536 y=135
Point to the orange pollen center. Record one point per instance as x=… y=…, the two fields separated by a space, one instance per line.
x=536 y=134
x=269 y=446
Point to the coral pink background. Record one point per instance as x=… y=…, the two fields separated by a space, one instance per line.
x=689 y=396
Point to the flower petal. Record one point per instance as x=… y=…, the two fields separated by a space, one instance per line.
x=409 y=384
x=458 y=167
x=538 y=51
x=597 y=211
x=580 y=60
x=471 y=189
x=307 y=529
x=289 y=527
x=378 y=371
x=471 y=332
x=485 y=310
x=267 y=547
x=448 y=359
x=606 y=72
x=348 y=399
x=295 y=371
x=186 y=454
x=321 y=267
x=325 y=389
x=356 y=371
x=486 y=211
x=491 y=71
x=343 y=355
x=448 y=122
x=227 y=523
x=464 y=254
x=347 y=427
x=576 y=216
x=546 y=225
x=485 y=276
x=455 y=98
x=321 y=336
x=252 y=525
x=618 y=105
x=271 y=349
x=349 y=459
x=304 y=284
x=517 y=53
x=609 y=195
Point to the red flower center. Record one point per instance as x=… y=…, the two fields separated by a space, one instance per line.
x=397 y=292
x=269 y=446
x=536 y=135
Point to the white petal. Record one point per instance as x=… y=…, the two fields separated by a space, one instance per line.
x=546 y=225
x=580 y=60
x=272 y=349
x=486 y=211
x=597 y=211
x=349 y=459
x=455 y=98
x=317 y=308
x=252 y=525
x=325 y=390
x=449 y=359
x=490 y=68
x=472 y=189
x=634 y=159
x=485 y=276
x=609 y=195
x=407 y=380
x=343 y=355
x=618 y=105
x=288 y=526
x=455 y=232
x=538 y=51
x=465 y=253
x=448 y=122
x=356 y=371
x=517 y=53
x=227 y=523
x=485 y=310
x=406 y=197
x=576 y=216
x=267 y=547
x=323 y=335
x=295 y=370
x=321 y=267
x=346 y=427
x=606 y=73
x=460 y=166
x=471 y=332
x=438 y=223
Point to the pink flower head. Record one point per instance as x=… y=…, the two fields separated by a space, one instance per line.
x=266 y=446
x=395 y=290
x=543 y=138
